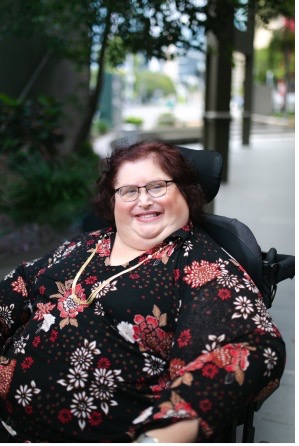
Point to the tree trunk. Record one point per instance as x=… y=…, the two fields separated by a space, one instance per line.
x=94 y=95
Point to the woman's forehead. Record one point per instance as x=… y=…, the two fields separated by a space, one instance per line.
x=141 y=170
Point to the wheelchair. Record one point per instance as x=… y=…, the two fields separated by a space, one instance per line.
x=266 y=269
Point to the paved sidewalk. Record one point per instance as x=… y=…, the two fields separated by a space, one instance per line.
x=261 y=194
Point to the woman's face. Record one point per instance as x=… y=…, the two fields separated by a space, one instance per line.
x=147 y=221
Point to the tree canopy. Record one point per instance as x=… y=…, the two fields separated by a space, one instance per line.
x=79 y=28
x=96 y=31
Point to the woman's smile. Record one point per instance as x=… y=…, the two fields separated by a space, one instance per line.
x=148 y=216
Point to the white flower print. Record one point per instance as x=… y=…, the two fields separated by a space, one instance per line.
x=228 y=280
x=20 y=344
x=75 y=379
x=244 y=306
x=216 y=341
x=261 y=307
x=5 y=314
x=71 y=248
x=270 y=361
x=250 y=284
x=25 y=393
x=153 y=365
x=9 y=275
x=125 y=329
x=104 y=385
x=83 y=356
x=109 y=287
x=222 y=264
x=263 y=322
x=262 y=318
x=82 y=406
x=98 y=309
x=187 y=246
x=144 y=415
x=58 y=253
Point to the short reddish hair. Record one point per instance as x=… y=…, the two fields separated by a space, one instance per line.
x=168 y=158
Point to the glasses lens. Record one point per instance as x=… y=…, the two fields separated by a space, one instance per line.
x=128 y=193
x=157 y=188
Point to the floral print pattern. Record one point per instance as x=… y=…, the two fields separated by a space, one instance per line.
x=144 y=354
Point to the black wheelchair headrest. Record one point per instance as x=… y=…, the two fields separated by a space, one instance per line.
x=208 y=166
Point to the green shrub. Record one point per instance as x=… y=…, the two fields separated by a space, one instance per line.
x=29 y=126
x=167 y=119
x=100 y=126
x=134 y=120
x=54 y=192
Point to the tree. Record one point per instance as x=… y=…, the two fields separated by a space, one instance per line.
x=101 y=31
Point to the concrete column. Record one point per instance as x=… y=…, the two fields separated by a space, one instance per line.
x=218 y=94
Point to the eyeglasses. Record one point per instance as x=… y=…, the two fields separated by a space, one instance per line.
x=154 y=188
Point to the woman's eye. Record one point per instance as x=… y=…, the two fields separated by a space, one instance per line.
x=129 y=191
x=155 y=187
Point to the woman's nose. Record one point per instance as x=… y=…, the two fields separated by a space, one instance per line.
x=144 y=197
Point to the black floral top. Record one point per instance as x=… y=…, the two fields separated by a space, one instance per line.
x=183 y=335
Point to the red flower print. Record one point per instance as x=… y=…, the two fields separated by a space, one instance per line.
x=205 y=405
x=187 y=227
x=163 y=383
x=140 y=383
x=65 y=416
x=41 y=271
x=42 y=289
x=175 y=366
x=224 y=293
x=175 y=408
x=27 y=363
x=42 y=310
x=210 y=370
x=103 y=248
x=231 y=357
x=91 y=280
x=53 y=336
x=95 y=418
x=36 y=341
x=28 y=409
x=176 y=274
x=150 y=336
x=200 y=273
x=184 y=338
x=19 y=286
x=165 y=252
x=134 y=276
x=67 y=306
x=234 y=359
x=103 y=363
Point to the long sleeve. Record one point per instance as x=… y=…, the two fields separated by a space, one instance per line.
x=17 y=291
x=227 y=352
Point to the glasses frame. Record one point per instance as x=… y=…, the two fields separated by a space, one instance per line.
x=144 y=187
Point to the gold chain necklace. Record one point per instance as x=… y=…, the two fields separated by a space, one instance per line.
x=94 y=293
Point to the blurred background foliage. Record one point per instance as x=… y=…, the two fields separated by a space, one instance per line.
x=48 y=184
x=38 y=184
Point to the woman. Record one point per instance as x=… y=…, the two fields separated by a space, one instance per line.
x=146 y=327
